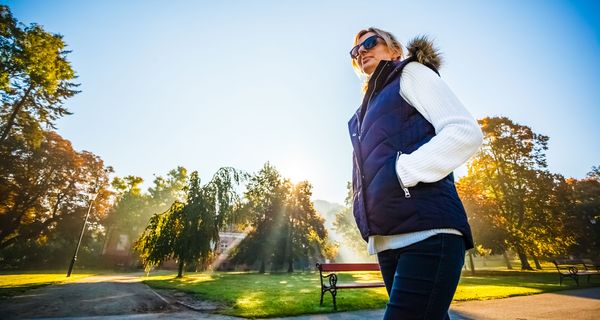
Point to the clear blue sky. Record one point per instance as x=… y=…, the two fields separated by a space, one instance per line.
x=239 y=83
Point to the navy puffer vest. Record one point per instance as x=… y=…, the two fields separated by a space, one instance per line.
x=384 y=127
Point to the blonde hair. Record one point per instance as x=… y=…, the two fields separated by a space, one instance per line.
x=393 y=45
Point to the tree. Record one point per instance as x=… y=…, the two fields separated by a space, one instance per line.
x=189 y=232
x=285 y=227
x=584 y=214
x=168 y=189
x=160 y=239
x=481 y=211
x=510 y=184
x=548 y=235
x=35 y=80
x=44 y=189
x=345 y=226
x=45 y=185
x=129 y=213
x=306 y=237
x=133 y=208
x=265 y=199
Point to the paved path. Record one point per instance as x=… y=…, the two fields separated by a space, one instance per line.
x=124 y=297
x=571 y=304
x=93 y=296
x=181 y=315
x=581 y=304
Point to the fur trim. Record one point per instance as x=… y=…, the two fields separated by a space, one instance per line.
x=425 y=53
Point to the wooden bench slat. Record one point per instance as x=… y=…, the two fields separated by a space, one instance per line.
x=361 y=285
x=584 y=272
x=349 y=267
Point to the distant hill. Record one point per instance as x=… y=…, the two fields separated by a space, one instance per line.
x=327 y=210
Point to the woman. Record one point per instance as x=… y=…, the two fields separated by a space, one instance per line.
x=408 y=135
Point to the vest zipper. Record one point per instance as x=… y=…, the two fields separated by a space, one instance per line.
x=374 y=88
x=406 y=192
x=368 y=101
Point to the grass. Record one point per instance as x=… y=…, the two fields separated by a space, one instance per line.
x=502 y=284
x=16 y=284
x=253 y=295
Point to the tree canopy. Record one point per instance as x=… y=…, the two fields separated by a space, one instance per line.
x=189 y=231
x=35 y=79
x=285 y=227
x=514 y=202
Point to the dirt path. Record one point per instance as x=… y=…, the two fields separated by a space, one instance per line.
x=93 y=296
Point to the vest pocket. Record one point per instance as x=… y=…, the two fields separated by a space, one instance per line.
x=405 y=189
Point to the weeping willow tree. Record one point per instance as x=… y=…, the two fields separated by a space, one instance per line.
x=189 y=231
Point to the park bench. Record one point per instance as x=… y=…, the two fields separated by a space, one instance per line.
x=328 y=271
x=589 y=265
x=574 y=268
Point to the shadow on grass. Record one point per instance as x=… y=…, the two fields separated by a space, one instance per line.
x=12 y=283
x=10 y=291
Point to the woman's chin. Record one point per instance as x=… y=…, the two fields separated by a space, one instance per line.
x=368 y=68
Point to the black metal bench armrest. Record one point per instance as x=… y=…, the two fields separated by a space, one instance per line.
x=332 y=278
x=573 y=270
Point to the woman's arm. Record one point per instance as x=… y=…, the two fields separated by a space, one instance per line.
x=458 y=135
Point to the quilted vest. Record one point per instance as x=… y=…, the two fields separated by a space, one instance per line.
x=384 y=127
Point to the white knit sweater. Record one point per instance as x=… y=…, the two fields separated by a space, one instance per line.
x=457 y=138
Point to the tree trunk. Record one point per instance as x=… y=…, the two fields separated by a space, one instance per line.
x=471 y=264
x=524 y=263
x=289 y=248
x=180 y=269
x=262 y=266
x=537 y=262
x=506 y=260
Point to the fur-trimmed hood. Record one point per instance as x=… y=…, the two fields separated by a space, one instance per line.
x=421 y=49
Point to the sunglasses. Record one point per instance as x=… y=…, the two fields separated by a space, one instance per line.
x=368 y=44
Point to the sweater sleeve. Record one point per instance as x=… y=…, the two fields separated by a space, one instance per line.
x=458 y=135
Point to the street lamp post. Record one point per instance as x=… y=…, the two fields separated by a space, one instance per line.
x=81 y=235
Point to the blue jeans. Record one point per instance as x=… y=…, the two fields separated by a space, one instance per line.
x=421 y=278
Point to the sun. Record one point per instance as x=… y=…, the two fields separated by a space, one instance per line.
x=295 y=169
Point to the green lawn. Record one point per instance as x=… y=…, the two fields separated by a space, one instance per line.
x=15 y=284
x=273 y=295
x=501 y=284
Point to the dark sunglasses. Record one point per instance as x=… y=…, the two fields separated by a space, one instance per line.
x=368 y=44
